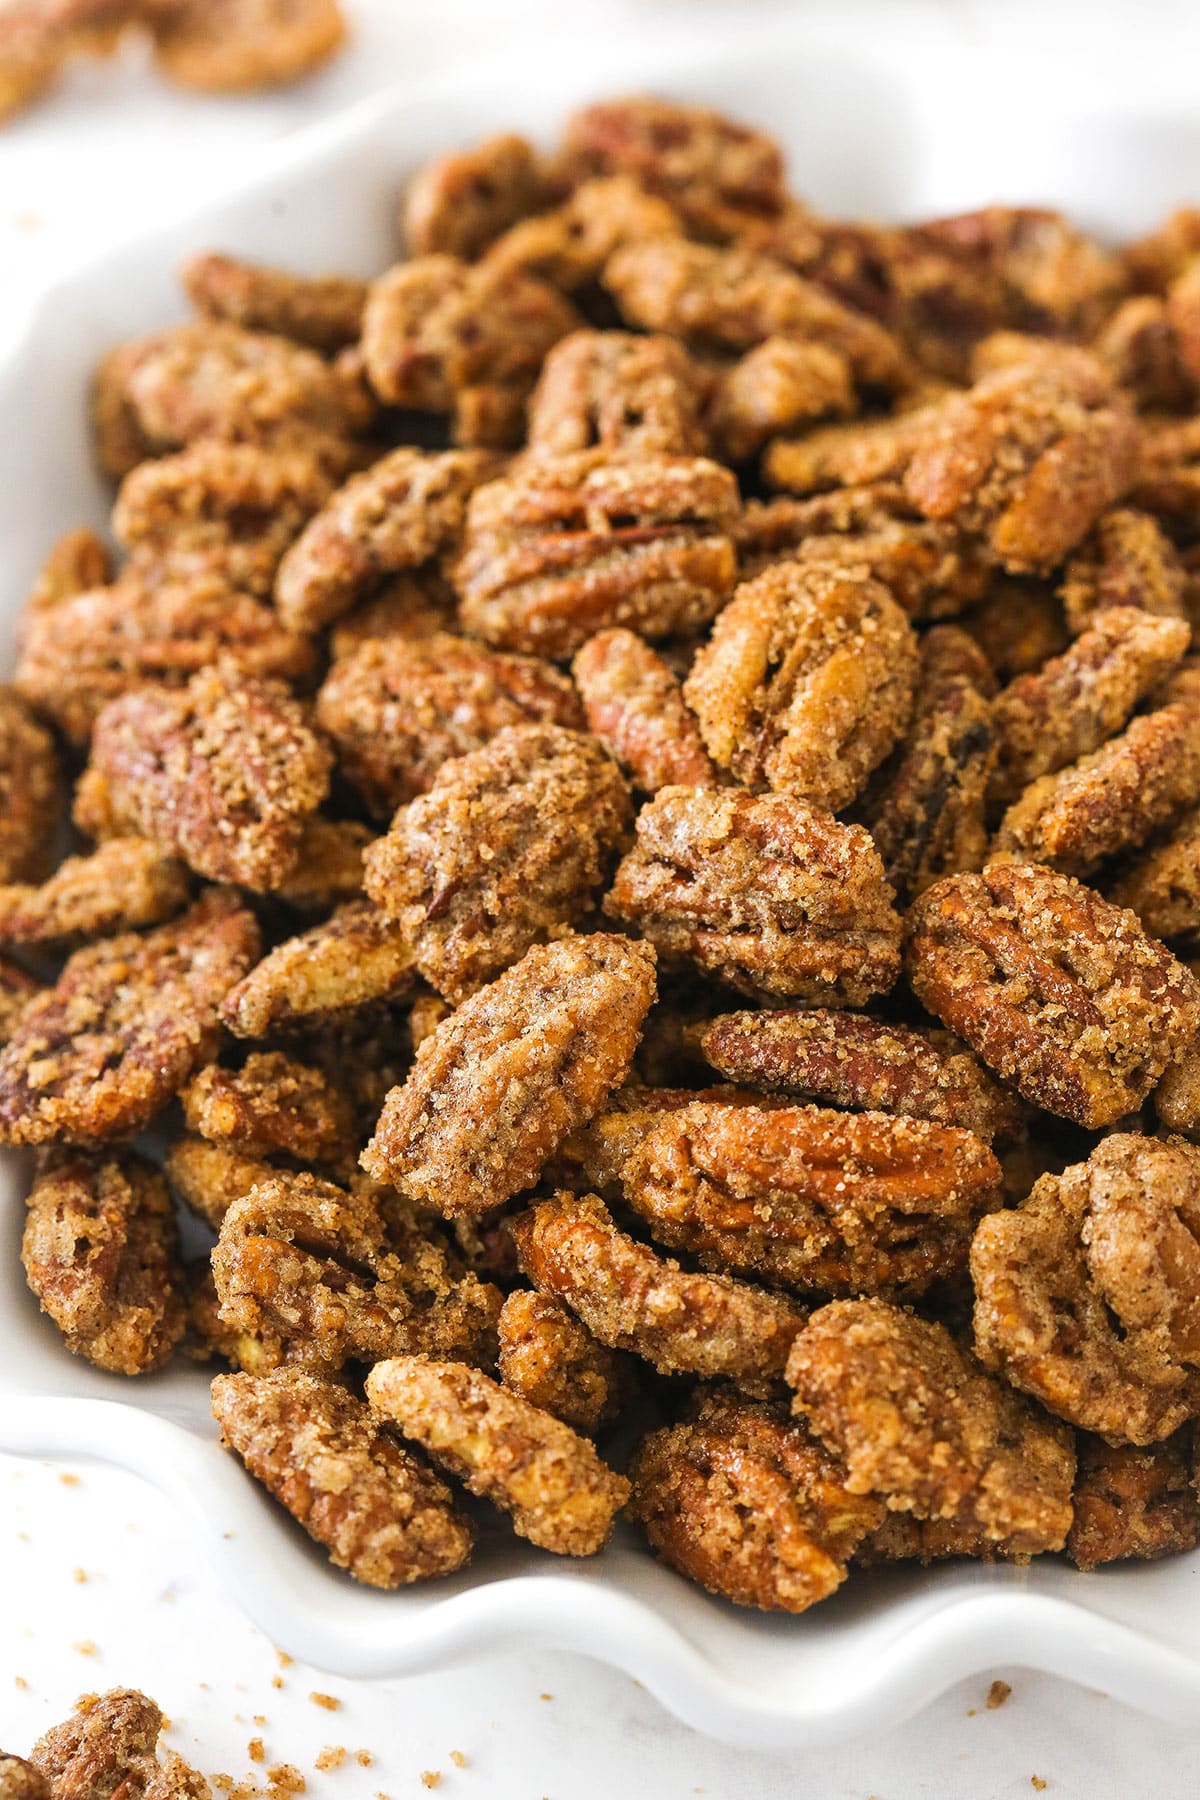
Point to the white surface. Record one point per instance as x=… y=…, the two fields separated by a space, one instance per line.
x=83 y=198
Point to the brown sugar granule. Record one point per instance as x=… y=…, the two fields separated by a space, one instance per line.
x=431 y=1778
x=255 y=1750
x=458 y=1759
x=328 y=1701
x=333 y=1756
x=997 y=1694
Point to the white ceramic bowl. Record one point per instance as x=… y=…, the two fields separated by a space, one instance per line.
x=890 y=137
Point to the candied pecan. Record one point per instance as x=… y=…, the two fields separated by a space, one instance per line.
x=569 y=245
x=236 y=46
x=925 y=808
x=864 y=1065
x=77 y=656
x=917 y=1421
x=1169 y=483
x=208 y=1178
x=272 y=1103
x=634 y=706
x=398 y=709
x=397 y=514
x=1051 y=1280
x=764 y=891
x=125 y=883
x=1017 y=625
x=571 y=544
x=746 y=1502
x=848 y=1202
x=1127 y=561
x=611 y=390
x=806 y=682
x=381 y=1513
x=1177 y=1096
x=107 y=1750
x=322 y=311
x=502 y=1082
x=19 y=1780
x=595 y=1155
x=1163 y=885
x=1029 y=457
x=1139 y=345
x=102 y=1255
x=30 y=791
x=99 y=1054
x=209 y=1337
x=719 y=301
x=460 y=203
x=1112 y=800
x=1153 y=261
x=17 y=989
x=554 y=1362
x=329 y=865
x=355 y=959
x=904 y=1538
x=1062 y=994
x=411 y=605
x=336 y=1276
x=436 y=330
x=713 y=169
x=510 y=845
x=782 y=384
x=1133 y=1502
x=217 y=509
x=549 y=1479
x=633 y=1299
x=78 y=561
x=862 y=453
x=1069 y=706
x=224 y=774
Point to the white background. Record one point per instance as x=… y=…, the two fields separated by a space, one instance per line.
x=97 y=1584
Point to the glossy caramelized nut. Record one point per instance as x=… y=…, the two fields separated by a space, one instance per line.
x=1127 y=561
x=234 y=46
x=926 y=808
x=458 y=204
x=126 y=883
x=1133 y=1502
x=99 y=1054
x=1088 y=1296
x=569 y=545
x=102 y=1255
x=554 y=1362
x=404 y=510
x=380 y=1513
x=806 y=682
x=614 y=390
x=224 y=775
x=850 y=1203
x=765 y=892
x=30 y=791
x=110 y=1746
x=634 y=706
x=1029 y=457
x=510 y=845
x=507 y=1077
x=866 y=1065
x=1062 y=994
x=633 y=1299
x=549 y=1480
x=915 y=1420
x=271 y=1104
x=356 y=959
x=745 y=1501
x=322 y=311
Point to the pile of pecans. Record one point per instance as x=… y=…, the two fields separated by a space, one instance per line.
x=641 y=777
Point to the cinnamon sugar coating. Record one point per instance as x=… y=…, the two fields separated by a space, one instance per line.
x=488 y=1101
x=916 y=1421
x=1127 y=561
x=1059 y=992
x=635 y=707
x=125 y=883
x=806 y=682
x=568 y=545
x=614 y=390
x=544 y=1475
x=764 y=891
x=1133 y=1503
x=404 y=510
x=109 y=1747
x=236 y=46
x=382 y=1514
x=102 y=1255
x=552 y=1361
x=847 y=1203
x=30 y=791
x=355 y=959
x=847 y=1060
x=273 y=1103
x=509 y=847
x=925 y=809
x=223 y=775
x=322 y=311
x=633 y=1299
x=458 y=204
x=398 y=709
x=745 y=1501
x=99 y=1054
x=595 y=1155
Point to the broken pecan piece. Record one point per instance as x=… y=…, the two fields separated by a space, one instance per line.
x=109 y=1747
x=764 y=891
x=1133 y=1502
x=322 y=311
x=272 y=1103
x=634 y=706
x=554 y=1362
x=782 y=384
x=613 y=390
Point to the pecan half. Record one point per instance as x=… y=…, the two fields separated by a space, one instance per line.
x=1133 y=1502
x=554 y=1362
x=233 y=46
x=125 y=883
x=861 y=453
x=510 y=845
x=355 y=959
x=1062 y=994
x=595 y=1155
x=30 y=791
x=322 y=311
x=613 y=390
x=460 y=203
x=634 y=706
x=768 y=893
x=489 y=1099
